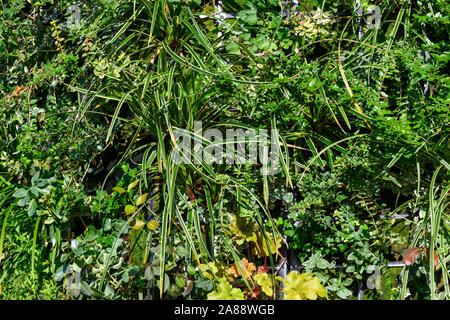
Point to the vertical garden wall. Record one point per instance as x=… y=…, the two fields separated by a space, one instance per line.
x=238 y=149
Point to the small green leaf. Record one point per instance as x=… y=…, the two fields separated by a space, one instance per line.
x=180 y=282
x=191 y=270
x=20 y=193
x=23 y=201
x=109 y=291
x=343 y=293
x=34 y=190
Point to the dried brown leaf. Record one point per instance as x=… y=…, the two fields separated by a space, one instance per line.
x=411 y=256
x=435 y=260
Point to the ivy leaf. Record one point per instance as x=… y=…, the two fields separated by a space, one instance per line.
x=265 y=282
x=225 y=291
x=302 y=287
x=248 y=16
x=343 y=293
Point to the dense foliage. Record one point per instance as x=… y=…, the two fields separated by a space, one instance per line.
x=94 y=205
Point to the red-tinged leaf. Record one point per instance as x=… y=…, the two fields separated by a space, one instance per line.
x=411 y=256
x=191 y=195
x=427 y=254
x=262 y=269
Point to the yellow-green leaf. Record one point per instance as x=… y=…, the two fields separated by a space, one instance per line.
x=243 y=230
x=141 y=199
x=133 y=184
x=261 y=248
x=225 y=291
x=130 y=209
x=265 y=282
x=302 y=287
x=216 y=269
x=138 y=224
x=119 y=190
x=153 y=224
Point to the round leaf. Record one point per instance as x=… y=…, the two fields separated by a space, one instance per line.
x=153 y=224
x=130 y=209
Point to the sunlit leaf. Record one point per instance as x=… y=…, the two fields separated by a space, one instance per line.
x=247 y=269
x=213 y=270
x=138 y=224
x=153 y=225
x=32 y=207
x=243 y=229
x=133 y=184
x=261 y=248
x=264 y=280
x=141 y=199
x=225 y=291
x=130 y=209
x=119 y=190
x=302 y=286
